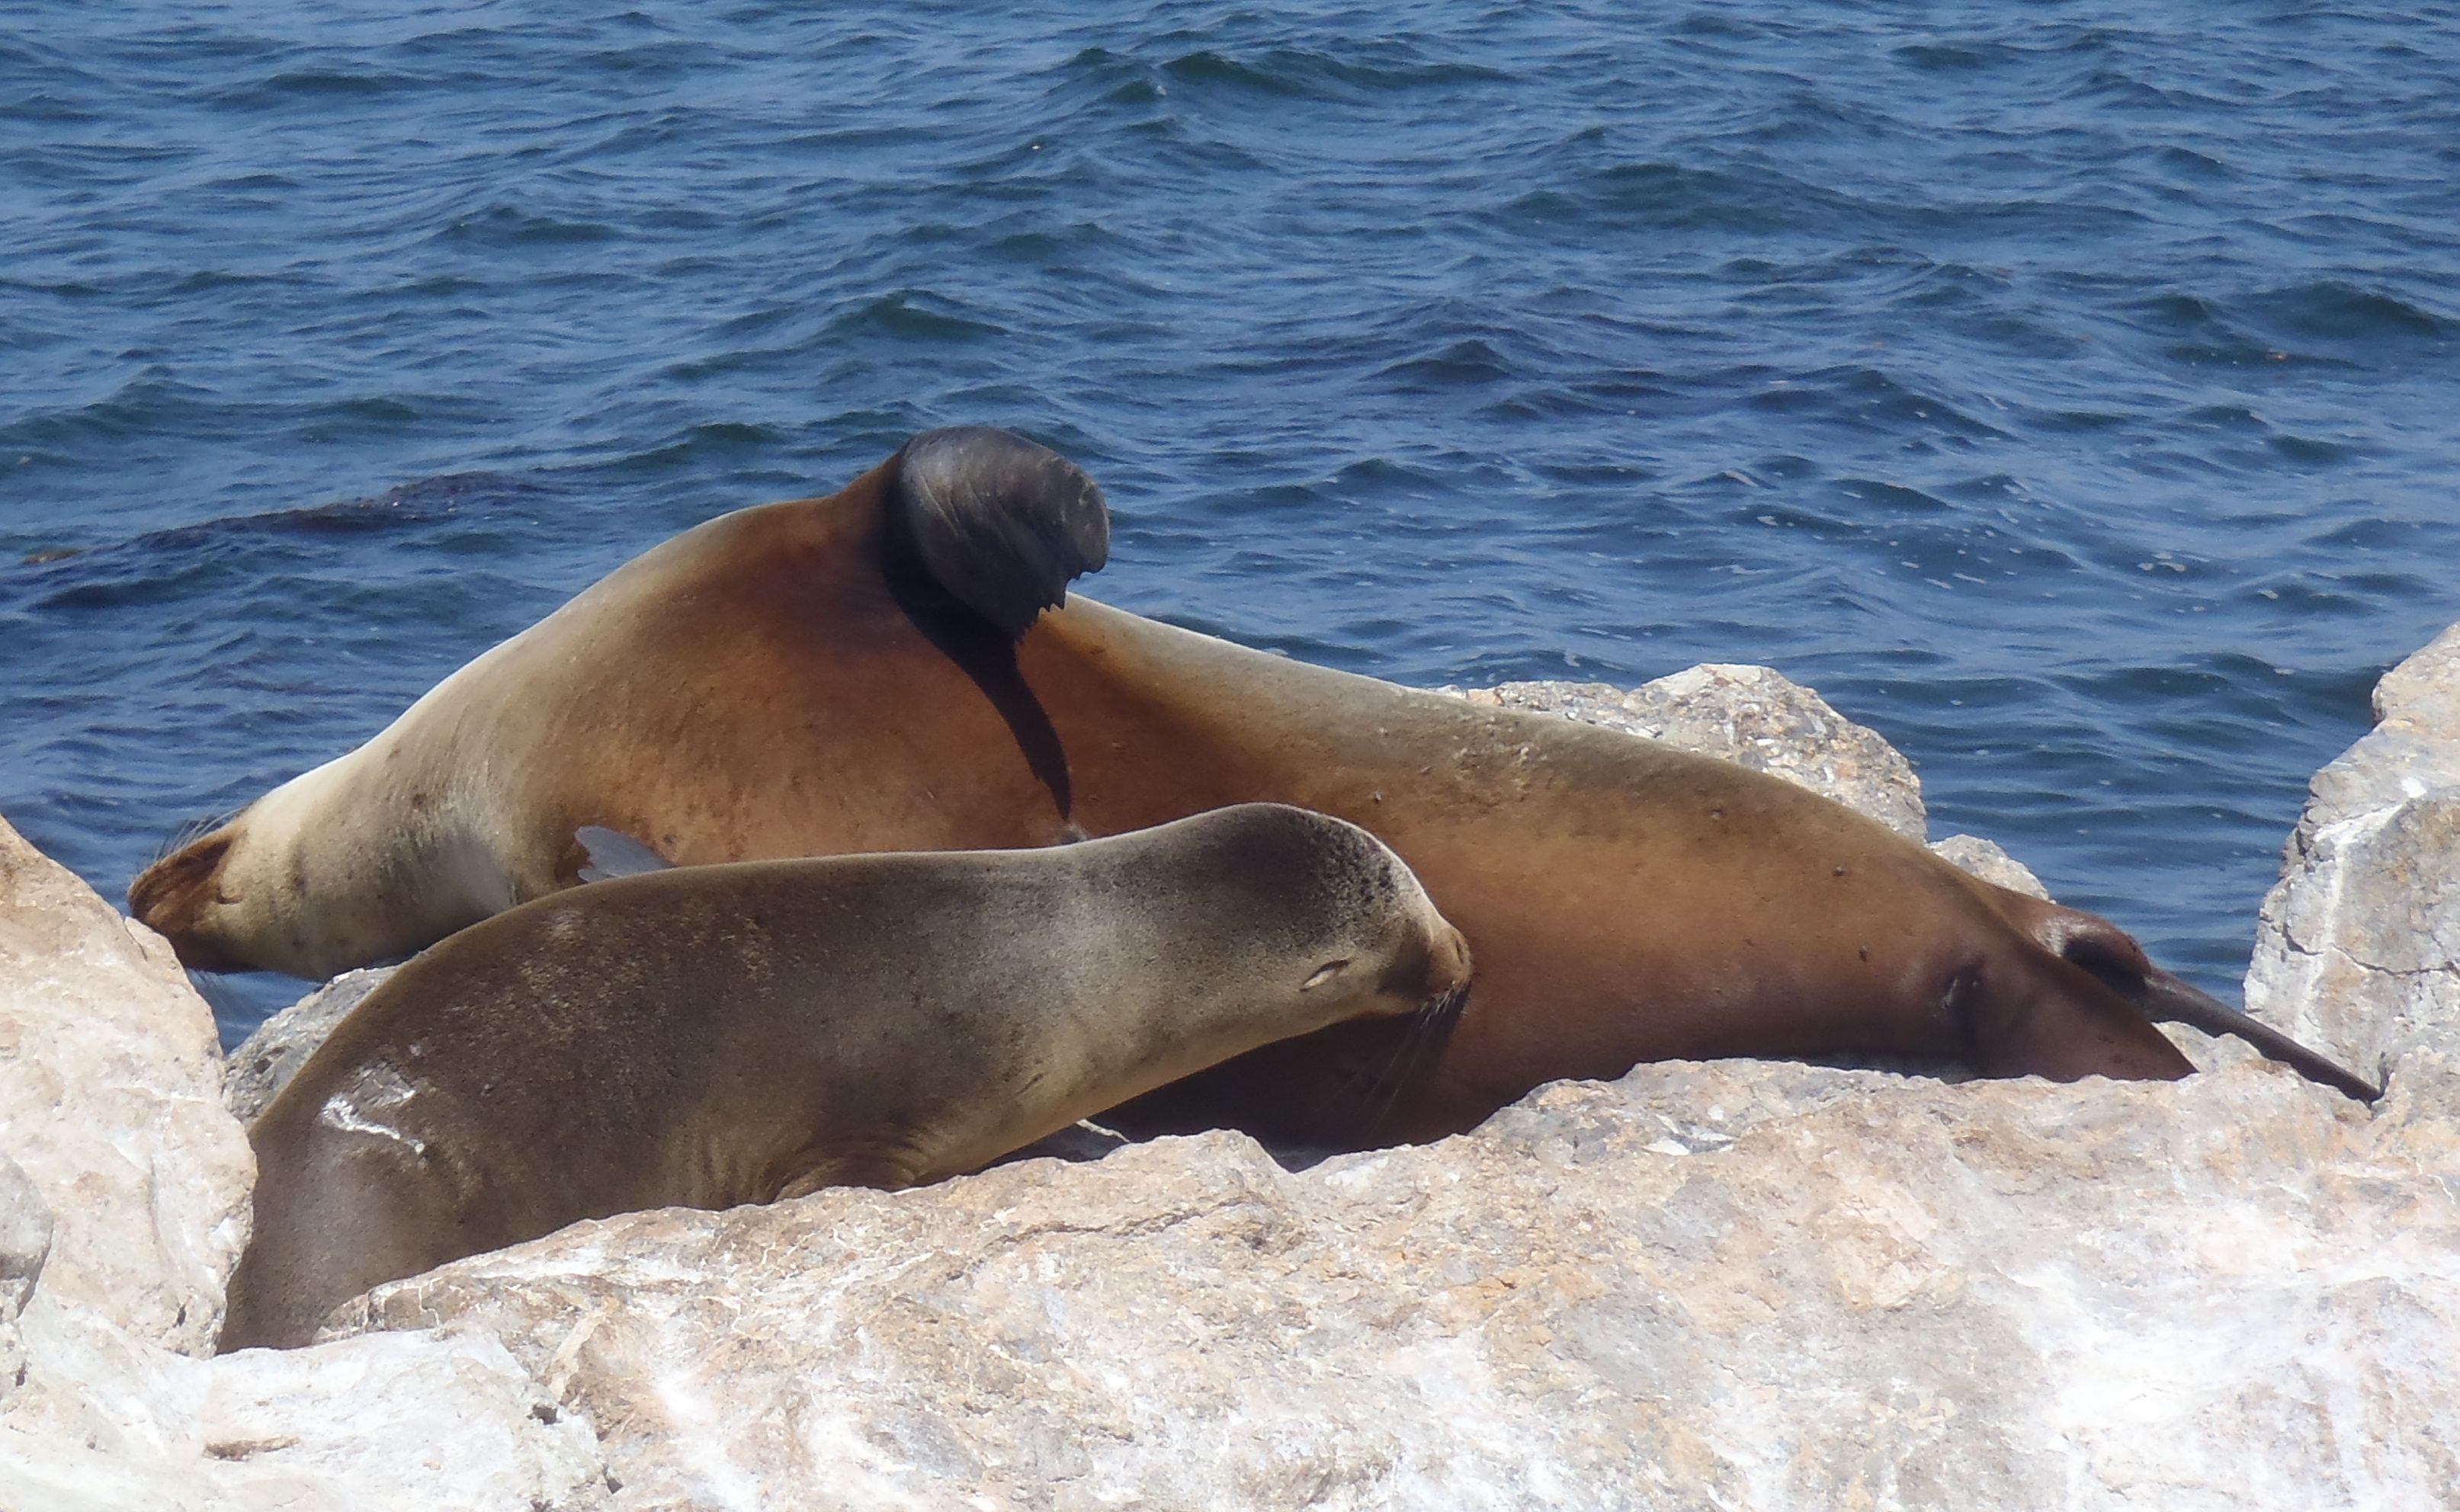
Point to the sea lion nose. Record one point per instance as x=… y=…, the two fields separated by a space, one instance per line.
x=1447 y=963
x=171 y=897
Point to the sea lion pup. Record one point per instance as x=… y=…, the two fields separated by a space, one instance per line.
x=721 y=1034
x=867 y=672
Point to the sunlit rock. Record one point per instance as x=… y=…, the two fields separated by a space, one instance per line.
x=2358 y=948
x=1754 y=716
x=110 y=1102
x=266 y=1060
x=1986 y=860
x=123 y=1201
x=1730 y=1284
x=25 y=1244
x=1738 y=1285
x=403 y=1423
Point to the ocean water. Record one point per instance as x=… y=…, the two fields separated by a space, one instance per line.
x=2065 y=391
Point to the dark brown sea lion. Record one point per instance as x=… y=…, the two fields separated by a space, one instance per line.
x=722 y=1034
x=866 y=672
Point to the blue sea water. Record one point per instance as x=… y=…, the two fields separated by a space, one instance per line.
x=2066 y=390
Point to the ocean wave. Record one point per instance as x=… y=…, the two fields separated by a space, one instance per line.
x=1932 y=356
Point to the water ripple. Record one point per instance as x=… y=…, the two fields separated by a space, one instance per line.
x=2066 y=393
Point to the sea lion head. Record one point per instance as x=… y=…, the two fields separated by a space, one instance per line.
x=1331 y=916
x=299 y=883
x=184 y=897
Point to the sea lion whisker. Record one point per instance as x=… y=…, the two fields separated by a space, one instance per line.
x=1356 y=1084
x=1404 y=1045
x=1421 y=1041
x=1436 y=1009
x=2169 y=998
x=189 y=832
x=1385 y=1098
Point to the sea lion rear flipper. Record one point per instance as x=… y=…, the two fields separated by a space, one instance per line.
x=1000 y=523
x=2110 y=954
x=612 y=853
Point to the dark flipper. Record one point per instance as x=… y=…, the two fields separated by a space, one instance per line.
x=2110 y=954
x=612 y=853
x=1000 y=523
x=2167 y=999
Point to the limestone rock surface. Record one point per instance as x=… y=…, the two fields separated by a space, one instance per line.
x=1986 y=860
x=25 y=1238
x=1728 y=1285
x=402 y=1423
x=2357 y=950
x=111 y=1103
x=266 y=1059
x=1754 y=716
x=123 y=1201
x=25 y=1244
x=1720 y=1285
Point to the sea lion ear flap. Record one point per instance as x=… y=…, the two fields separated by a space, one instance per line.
x=999 y=522
x=2094 y=943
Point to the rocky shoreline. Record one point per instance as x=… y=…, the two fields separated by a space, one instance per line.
x=1727 y=1284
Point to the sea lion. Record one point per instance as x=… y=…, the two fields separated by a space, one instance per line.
x=721 y=1034
x=866 y=672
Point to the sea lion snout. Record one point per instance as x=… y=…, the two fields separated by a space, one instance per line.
x=1429 y=974
x=1449 y=964
x=175 y=898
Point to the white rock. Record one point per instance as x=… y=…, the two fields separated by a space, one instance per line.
x=267 y=1059
x=25 y=1238
x=409 y=1422
x=1730 y=1284
x=1725 y=1285
x=110 y=1102
x=25 y=1244
x=121 y=1215
x=1751 y=715
x=2357 y=950
x=1986 y=860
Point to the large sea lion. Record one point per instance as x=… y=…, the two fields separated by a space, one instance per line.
x=731 y=1034
x=868 y=672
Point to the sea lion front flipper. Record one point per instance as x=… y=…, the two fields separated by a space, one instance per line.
x=612 y=853
x=2169 y=999
x=2111 y=953
x=1000 y=523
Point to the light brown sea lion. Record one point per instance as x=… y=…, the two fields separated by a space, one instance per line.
x=722 y=1034
x=865 y=672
